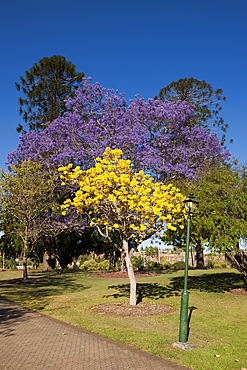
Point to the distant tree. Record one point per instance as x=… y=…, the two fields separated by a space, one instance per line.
x=46 y=85
x=64 y=247
x=70 y=244
x=26 y=202
x=151 y=251
x=236 y=255
x=205 y=100
x=11 y=245
x=220 y=219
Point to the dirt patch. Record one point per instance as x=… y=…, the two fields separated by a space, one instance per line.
x=125 y=309
x=122 y=275
x=241 y=291
x=27 y=281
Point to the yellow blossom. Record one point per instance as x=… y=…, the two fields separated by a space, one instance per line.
x=131 y=202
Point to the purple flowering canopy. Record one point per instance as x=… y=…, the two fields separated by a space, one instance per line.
x=153 y=134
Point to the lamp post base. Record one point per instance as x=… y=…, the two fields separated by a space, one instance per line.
x=184 y=346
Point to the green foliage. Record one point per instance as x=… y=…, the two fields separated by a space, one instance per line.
x=89 y=265
x=152 y=265
x=210 y=264
x=219 y=265
x=137 y=262
x=104 y=265
x=92 y=241
x=29 y=263
x=11 y=245
x=180 y=265
x=220 y=219
x=84 y=257
x=166 y=265
x=46 y=85
x=8 y=263
x=69 y=245
x=116 y=267
x=26 y=194
x=151 y=251
x=93 y=265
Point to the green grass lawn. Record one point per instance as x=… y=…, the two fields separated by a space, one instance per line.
x=218 y=324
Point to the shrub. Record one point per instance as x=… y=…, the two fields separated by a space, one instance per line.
x=165 y=265
x=159 y=266
x=117 y=266
x=8 y=264
x=191 y=267
x=180 y=265
x=223 y=265
x=137 y=262
x=83 y=258
x=104 y=265
x=210 y=264
x=151 y=265
x=89 y=265
x=217 y=265
x=93 y=265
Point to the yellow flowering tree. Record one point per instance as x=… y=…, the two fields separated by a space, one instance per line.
x=119 y=199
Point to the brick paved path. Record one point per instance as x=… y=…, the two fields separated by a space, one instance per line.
x=29 y=340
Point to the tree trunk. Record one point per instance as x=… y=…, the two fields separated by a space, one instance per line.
x=24 y=268
x=24 y=257
x=130 y=273
x=123 y=266
x=238 y=261
x=192 y=259
x=199 y=255
x=46 y=261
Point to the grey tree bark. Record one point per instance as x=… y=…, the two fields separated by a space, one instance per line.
x=131 y=274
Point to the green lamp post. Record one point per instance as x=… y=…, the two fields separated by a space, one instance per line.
x=190 y=205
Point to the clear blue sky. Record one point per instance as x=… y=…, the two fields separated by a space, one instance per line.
x=135 y=46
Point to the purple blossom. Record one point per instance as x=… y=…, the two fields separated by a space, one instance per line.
x=152 y=134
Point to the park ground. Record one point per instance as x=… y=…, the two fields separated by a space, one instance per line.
x=217 y=310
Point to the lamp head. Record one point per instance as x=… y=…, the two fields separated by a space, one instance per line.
x=190 y=204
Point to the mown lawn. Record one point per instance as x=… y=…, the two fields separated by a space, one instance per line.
x=218 y=324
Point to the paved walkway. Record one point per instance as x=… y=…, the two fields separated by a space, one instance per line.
x=29 y=340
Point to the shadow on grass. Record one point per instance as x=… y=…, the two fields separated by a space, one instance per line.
x=52 y=284
x=210 y=283
x=191 y=309
x=10 y=317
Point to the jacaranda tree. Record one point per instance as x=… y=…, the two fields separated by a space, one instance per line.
x=116 y=197
x=152 y=134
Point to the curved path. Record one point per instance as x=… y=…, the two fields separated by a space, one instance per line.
x=30 y=340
